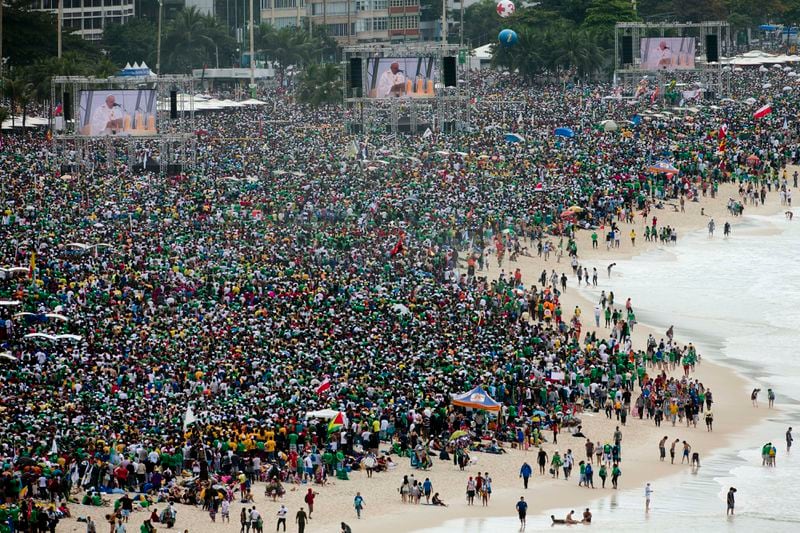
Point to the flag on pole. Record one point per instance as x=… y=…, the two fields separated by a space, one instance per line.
x=54 y=447
x=32 y=270
x=722 y=135
x=189 y=418
x=427 y=133
x=325 y=385
x=763 y=111
x=336 y=423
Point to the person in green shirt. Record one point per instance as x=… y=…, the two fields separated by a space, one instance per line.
x=615 y=473
x=555 y=464
x=603 y=473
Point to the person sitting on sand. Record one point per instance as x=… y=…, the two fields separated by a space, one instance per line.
x=569 y=519
x=437 y=501
x=587 y=516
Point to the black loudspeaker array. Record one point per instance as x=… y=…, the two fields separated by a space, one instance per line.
x=173 y=104
x=712 y=48
x=627 y=50
x=449 y=64
x=67 y=106
x=356 y=76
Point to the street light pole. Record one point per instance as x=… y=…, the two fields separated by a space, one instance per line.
x=158 y=48
x=252 y=51
x=444 y=22
x=60 y=23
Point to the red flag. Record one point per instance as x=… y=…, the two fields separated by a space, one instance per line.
x=723 y=131
x=762 y=112
x=325 y=385
x=398 y=248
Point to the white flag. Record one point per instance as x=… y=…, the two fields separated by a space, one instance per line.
x=54 y=448
x=427 y=133
x=189 y=418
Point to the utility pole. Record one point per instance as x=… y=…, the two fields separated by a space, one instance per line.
x=60 y=23
x=2 y=63
x=461 y=25
x=158 y=48
x=444 y=22
x=252 y=53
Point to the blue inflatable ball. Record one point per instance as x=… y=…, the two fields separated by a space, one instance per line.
x=508 y=37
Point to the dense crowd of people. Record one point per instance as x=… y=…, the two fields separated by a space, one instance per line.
x=196 y=320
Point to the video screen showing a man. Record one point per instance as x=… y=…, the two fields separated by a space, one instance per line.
x=118 y=113
x=392 y=82
x=410 y=77
x=107 y=118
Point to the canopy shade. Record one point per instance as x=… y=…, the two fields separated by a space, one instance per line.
x=477 y=398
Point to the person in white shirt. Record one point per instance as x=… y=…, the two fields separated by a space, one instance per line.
x=392 y=82
x=106 y=117
x=282 y=512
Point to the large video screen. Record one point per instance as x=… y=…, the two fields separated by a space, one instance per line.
x=120 y=112
x=667 y=53
x=401 y=77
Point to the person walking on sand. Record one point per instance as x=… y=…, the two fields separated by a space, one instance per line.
x=309 y=499
x=522 y=510
x=358 y=503
x=672 y=451
x=608 y=269
x=731 y=501
x=789 y=439
x=648 y=494
x=525 y=473
x=282 y=512
x=542 y=458
x=711 y=227
x=301 y=518
x=771 y=398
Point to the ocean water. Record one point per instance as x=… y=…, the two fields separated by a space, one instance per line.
x=738 y=300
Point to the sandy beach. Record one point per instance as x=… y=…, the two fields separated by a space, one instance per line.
x=383 y=509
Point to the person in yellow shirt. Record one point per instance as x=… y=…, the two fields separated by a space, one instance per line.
x=633 y=238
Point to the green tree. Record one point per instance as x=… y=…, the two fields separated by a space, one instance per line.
x=287 y=47
x=134 y=41
x=29 y=36
x=320 y=85
x=19 y=92
x=193 y=39
x=481 y=23
x=603 y=15
x=43 y=70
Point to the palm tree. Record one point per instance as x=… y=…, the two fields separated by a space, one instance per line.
x=189 y=39
x=287 y=47
x=320 y=84
x=17 y=90
x=3 y=117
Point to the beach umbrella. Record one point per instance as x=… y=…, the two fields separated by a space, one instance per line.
x=786 y=89
x=609 y=125
x=753 y=160
x=564 y=132
x=458 y=434
x=750 y=101
x=7 y=355
x=576 y=209
x=662 y=167
x=514 y=138
x=401 y=309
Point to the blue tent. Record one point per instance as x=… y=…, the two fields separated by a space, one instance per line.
x=564 y=132
x=514 y=138
x=477 y=398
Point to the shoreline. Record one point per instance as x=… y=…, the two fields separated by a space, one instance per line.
x=385 y=513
